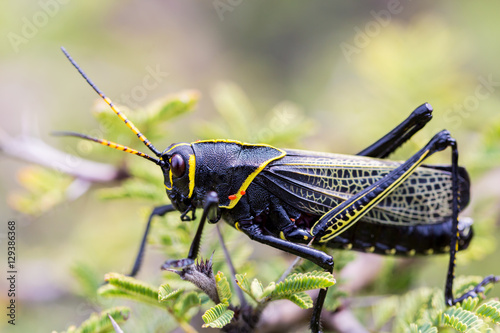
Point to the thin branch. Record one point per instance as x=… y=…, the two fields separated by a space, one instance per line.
x=33 y=150
x=115 y=325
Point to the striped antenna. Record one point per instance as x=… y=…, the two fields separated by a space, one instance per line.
x=111 y=144
x=113 y=106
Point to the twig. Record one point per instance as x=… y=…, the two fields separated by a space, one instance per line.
x=115 y=325
x=34 y=150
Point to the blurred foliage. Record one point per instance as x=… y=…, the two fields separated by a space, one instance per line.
x=100 y=322
x=396 y=71
x=284 y=125
x=423 y=310
x=44 y=190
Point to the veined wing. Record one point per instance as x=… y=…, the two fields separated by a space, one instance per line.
x=316 y=182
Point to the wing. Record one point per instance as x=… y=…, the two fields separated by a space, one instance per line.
x=316 y=182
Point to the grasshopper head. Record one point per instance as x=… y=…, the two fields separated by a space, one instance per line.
x=179 y=173
x=177 y=162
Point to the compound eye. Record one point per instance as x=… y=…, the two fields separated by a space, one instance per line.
x=177 y=165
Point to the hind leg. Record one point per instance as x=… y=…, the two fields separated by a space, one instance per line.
x=400 y=134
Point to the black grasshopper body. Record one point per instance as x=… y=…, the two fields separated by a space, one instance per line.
x=287 y=191
x=289 y=198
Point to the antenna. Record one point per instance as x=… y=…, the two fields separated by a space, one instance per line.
x=111 y=145
x=115 y=109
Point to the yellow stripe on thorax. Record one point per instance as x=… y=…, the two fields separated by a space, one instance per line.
x=250 y=178
x=192 y=172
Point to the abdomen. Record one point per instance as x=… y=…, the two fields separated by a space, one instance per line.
x=423 y=239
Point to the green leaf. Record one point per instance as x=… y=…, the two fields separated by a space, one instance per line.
x=244 y=284
x=469 y=303
x=217 y=316
x=283 y=124
x=413 y=328
x=223 y=288
x=491 y=310
x=111 y=123
x=139 y=290
x=116 y=327
x=462 y=320
x=112 y=291
x=235 y=107
x=186 y=302
x=166 y=293
x=419 y=306
x=334 y=298
x=384 y=310
x=132 y=188
x=172 y=106
x=256 y=289
x=100 y=323
x=426 y=328
x=45 y=189
x=268 y=290
x=301 y=282
x=302 y=299
x=88 y=280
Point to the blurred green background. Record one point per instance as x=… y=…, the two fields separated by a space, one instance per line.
x=355 y=68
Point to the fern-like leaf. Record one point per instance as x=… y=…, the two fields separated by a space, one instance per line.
x=139 y=290
x=87 y=278
x=100 y=323
x=256 y=289
x=413 y=328
x=490 y=310
x=166 y=293
x=245 y=285
x=268 y=290
x=116 y=327
x=469 y=303
x=419 y=306
x=223 y=288
x=217 y=316
x=172 y=106
x=384 y=310
x=134 y=189
x=462 y=320
x=298 y=282
x=186 y=302
x=112 y=291
x=303 y=300
x=426 y=328
x=235 y=107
